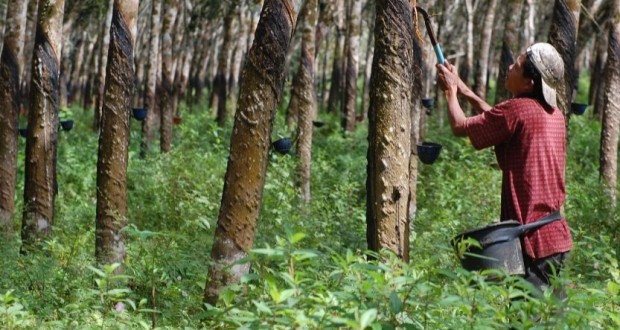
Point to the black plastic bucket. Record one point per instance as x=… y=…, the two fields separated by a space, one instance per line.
x=506 y=255
x=497 y=246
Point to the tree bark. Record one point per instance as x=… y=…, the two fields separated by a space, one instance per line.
x=166 y=93
x=335 y=89
x=101 y=70
x=260 y=93
x=611 y=113
x=510 y=46
x=40 y=186
x=563 y=36
x=114 y=136
x=389 y=129
x=11 y=64
x=350 y=90
x=596 y=72
x=306 y=97
x=219 y=90
x=484 y=50
x=151 y=79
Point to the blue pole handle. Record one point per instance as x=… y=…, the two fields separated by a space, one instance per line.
x=439 y=54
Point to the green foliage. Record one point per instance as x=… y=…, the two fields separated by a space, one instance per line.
x=309 y=269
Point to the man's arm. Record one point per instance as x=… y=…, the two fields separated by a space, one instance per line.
x=449 y=82
x=476 y=102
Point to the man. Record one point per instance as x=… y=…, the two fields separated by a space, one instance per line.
x=529 y=135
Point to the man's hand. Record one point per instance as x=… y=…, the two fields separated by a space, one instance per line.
x=448 y=78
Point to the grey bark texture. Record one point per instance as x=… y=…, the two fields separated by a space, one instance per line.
x=389 y=134
x=111 y=213
x=260 y=93
x=11 y=64
x=40 y=186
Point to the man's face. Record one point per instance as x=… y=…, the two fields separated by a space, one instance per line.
x=515 y=82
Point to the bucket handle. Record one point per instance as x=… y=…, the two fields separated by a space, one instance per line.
x=508 y=234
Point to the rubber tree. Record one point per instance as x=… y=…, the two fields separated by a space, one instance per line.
x=389 y=139
x=486 y=37
x=611 y=112
x=510 y=45
x=563 y=36
x=101 y=68
x=262 y=81
x=151 y=78
x=111 y=213
x=336 y=83
x=350 y=86
x=40 y=186
x=219 y=91
x=166 y=90
x=306 y=96
x=11 y=64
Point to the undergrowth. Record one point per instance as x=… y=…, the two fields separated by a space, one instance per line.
x=309 y=269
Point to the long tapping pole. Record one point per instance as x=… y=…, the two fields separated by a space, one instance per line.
x=429 y=30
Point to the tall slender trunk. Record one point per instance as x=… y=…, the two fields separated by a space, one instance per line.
x=260 y=93
x=350 y=90
x=103 y=60
x=596 y=72
x=335 y=89
x=151 y=79
x=11 y=64
x=389 y=135
x=611 y=114
x=510 y=46
x=368 y=68
x=40 y=186
x=219 y=91
x=114 y=136
x=306 y=97
x=484 y=50
x=166 y=93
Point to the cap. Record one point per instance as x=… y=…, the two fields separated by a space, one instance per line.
x=551 y=67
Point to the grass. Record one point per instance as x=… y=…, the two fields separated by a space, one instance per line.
x=173 y=206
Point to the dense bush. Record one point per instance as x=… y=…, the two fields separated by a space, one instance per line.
x=309 y=268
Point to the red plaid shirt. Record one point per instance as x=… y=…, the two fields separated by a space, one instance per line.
x=530 y=146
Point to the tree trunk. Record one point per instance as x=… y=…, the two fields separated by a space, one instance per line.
x=151 y=79
x=596 y=72
x=40 y=186
x=389 y=129
x=306 y=97
x=11 y=64
x=114 y=136
x=611 y=113
x=416 y=114
x=510 y=46
x=103 y=60
x=259 y=95
x=335 y=89
x=350 y=90
x=529 y=28
x=166 y=93
x=219 y=92
x=368 y=68
x=485 y=49
x=563 y=37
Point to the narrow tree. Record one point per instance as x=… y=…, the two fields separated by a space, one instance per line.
x=350 y=86
x=166 y=92
x=389 y=129
x=41 y=143
x=219 y=90
x=510 y=46
x=486 y=39
x=306 y=96
x=563 y=36
x=260 y=92
x=114 y=136
x=11 y=63
x=103 y=62
x=335 y=89
x=151 y=78
x=611 y=113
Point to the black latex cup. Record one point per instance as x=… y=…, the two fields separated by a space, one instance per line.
x=283 y=145
x=428 y=152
